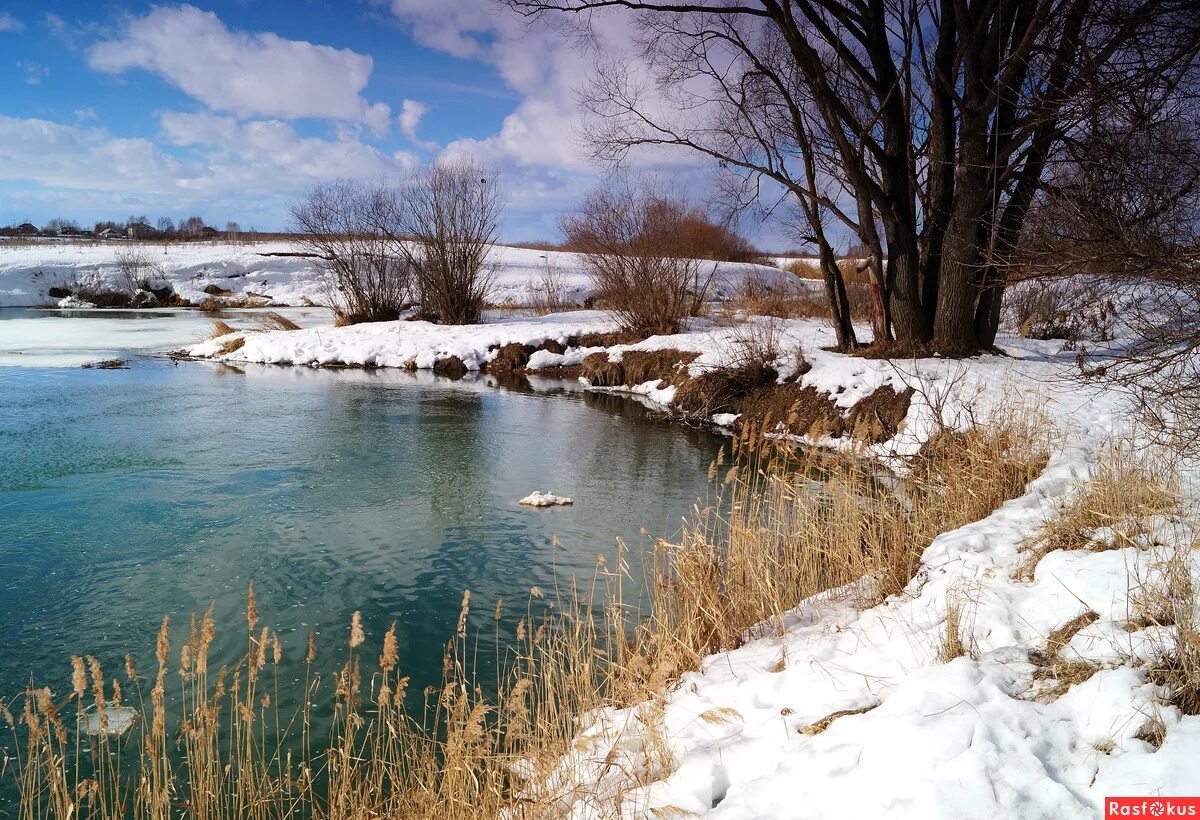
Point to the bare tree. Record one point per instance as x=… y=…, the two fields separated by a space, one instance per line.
x=352 y=227
x=641 y=251
x=450 y=214
x=191 y=227
x=1122 y=223
x=925 y=128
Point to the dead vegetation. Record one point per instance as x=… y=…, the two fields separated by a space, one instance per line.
x=276 y=321
x=231 y=345
x=1063 y=673
x=824 y=723
x=1113 y=509
x=1131 y=501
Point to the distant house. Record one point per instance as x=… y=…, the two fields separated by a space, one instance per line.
x=209 y=233
x=27 y=229
x=110 y=233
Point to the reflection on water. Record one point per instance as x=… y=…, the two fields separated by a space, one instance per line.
x=126 y=495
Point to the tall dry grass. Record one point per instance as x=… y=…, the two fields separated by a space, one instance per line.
x=783 y=525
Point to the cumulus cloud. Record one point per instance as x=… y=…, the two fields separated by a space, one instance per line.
x=250 y=75
x=262 y=153
x=411 y=113
x=217 y=159
x=8 y=23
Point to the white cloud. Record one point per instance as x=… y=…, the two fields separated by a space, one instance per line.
x=219 y=162
x=8 y=23
x=86 y=113
x=411 y=113
x=34 y=72
x=269 y=156
x=246 y=74
x=544 y=64
x=75 y=157
x=539 y=147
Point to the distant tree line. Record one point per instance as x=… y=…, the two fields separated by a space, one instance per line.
x=135 y=227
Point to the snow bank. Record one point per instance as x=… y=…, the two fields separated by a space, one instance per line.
x=28 y=271
x=916 y=737
x=410 y=344
x=941 y=387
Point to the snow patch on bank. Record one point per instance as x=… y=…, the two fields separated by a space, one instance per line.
x=412 y=344
x=916 y=737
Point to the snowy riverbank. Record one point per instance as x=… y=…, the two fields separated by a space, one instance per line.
x=852 y=710
x=274 y=270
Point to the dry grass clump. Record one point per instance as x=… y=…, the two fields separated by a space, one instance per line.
x=850 y=269
x=231 y=345
x=219 y=329
x=1060 y=672
x=276 y=321
x=952 y=645
x=1178 y=668
x=788 y=300
x=510 y=357
x=783 y=300
x=878 y=417
x=724 y=389
x=216 y=304
x=1130 y=486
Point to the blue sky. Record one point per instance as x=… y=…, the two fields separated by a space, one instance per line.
x=231 y=109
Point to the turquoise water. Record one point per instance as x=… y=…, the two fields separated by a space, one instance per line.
x=129 y=494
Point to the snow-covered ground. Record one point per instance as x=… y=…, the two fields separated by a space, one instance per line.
x=975 y=737
x=972 y=738
x=407 y=344
x=29 y=270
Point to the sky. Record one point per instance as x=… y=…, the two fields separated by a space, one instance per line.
x=232 y=109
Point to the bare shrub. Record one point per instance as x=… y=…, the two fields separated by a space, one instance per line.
x=1060 y=309
x=352 y=228
x=549 y=292
x=450 y=214
x=640 y=256
x=138 y=270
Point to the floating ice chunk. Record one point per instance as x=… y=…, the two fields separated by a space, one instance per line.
x=118 y=719
x=537 y=498
x=74 y=303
